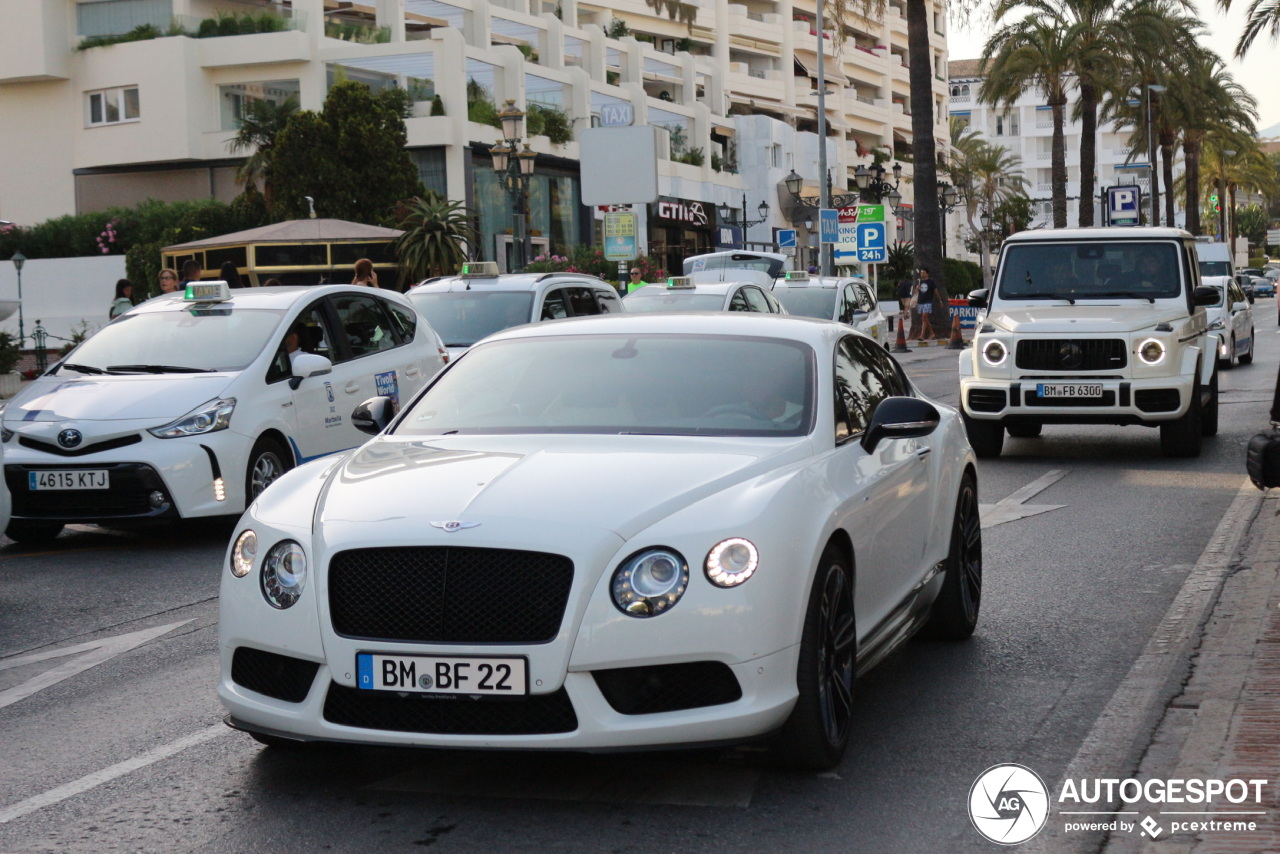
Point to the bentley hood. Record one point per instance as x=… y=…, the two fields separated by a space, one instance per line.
x=1084 y=319
x=618 y=483
x=114 y=398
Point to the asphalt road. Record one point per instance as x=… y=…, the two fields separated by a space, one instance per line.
x=110 y=739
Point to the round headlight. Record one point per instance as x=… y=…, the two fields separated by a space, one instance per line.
x=650 y=582
x=1151 y=351
x=284 y=574
x=994 y=353
x=732 y=562
x=243 y=554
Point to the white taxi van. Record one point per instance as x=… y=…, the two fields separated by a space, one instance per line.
x=192 y=403
x=847 y=299
x=1093 y=326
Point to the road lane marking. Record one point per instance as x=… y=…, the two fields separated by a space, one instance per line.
x=95 y=653
x=1011 y=508
x=106 y=775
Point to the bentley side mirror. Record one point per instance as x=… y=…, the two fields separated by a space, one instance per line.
x=373 y=415
x=900 y=418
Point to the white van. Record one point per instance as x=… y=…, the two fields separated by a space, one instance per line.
x=1215 y=258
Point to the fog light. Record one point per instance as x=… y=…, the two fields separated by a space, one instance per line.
x=157 y=499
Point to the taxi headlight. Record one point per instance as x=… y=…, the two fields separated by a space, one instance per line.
x=994 y=353
x=5 y=434
x=1151 y=351
x=732 y=562
x=1218 y=324
x=205 y=418
x=284 y=574
x=243 y=554
x=650 y=582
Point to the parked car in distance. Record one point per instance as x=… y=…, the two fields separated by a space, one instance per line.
x=684 y=293
x=1264 y=287
x=845 y=299
x=614 y=533
x=1230 y=322
x=480 y=301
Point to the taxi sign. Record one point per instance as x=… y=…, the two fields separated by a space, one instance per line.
x=797 y=275
x=207 y=292
x=680 y=282
x=479 y=270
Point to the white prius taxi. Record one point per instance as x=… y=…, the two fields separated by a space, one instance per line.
x=605 y=534
x=846 y=299
x=190 y=404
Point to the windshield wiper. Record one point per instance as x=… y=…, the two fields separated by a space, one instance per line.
x=1071 y=300
x=84 y=369
x=1130 y=294
x=161 y=369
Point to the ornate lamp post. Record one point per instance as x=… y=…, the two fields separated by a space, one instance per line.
x=726 y=214
x=18 y=260
x=874 y=188
x=513 y=164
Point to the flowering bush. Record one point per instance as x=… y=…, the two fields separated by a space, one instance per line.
x=591 y=260
x=108 y=236
x=548 y=264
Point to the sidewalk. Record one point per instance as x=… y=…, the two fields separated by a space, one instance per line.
x=1225 y=723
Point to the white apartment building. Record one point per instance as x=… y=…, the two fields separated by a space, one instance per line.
x=1026 y=129
x=733 y=84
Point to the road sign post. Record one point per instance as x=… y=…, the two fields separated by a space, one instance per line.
x=620 y=237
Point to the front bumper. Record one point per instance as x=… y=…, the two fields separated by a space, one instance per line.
x=1123 y=401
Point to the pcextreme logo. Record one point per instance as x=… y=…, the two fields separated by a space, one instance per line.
x=1009 y=804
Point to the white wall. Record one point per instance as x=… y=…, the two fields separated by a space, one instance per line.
x=61 y=292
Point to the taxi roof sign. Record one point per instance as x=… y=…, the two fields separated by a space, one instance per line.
x=479 y=270
x=797 y=275
x=207 y=292
x=680 y=282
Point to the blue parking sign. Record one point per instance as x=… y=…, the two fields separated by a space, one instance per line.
x=1124 y=205
x=872 y=243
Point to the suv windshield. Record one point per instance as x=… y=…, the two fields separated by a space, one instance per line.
x=1091 y=270
x=462 y=318
x=687 y=385
x=182 y=341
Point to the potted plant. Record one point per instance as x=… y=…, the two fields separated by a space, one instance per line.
x=10 y=381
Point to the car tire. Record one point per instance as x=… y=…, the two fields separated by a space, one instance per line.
x=1209 y=411
x=954 y=614
x=1024 y=431
x=267 y=462
x=1247 y=358
x=816 y=734
x=986 y=437
x=33 y=532
x=1181 y=438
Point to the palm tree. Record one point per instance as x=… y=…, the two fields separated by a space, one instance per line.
x=435 y=231
x=261 y=122
x=924 y=150
x=1036 y=52
x=1261 y=15
x=997 y=177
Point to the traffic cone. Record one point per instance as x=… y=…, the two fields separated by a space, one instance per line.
x=957 y=340
x=900 y=346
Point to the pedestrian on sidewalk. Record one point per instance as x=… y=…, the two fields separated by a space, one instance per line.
x=924 y=304
x=123 y=300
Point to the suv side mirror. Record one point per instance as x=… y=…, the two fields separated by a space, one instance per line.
x=900 y=418
x=978 y=298
x=307 y=365
x=373 y=415
x=1204 y=295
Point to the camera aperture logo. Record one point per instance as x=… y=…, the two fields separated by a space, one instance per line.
x=1008 y=804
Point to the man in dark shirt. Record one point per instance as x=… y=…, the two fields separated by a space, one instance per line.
x=924 y=305
x=191 y=272
x=904 y=293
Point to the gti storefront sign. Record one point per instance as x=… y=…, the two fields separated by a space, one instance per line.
x=1124 y=205
x=684 y=212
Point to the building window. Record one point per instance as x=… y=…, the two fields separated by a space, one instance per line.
x=113 y=106
x=775 y=156
x=233 y=98
x=117 y=17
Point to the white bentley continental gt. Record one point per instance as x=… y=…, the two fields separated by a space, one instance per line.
x=609 y=533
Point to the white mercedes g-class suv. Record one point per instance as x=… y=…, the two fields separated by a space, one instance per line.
x=1092 y=326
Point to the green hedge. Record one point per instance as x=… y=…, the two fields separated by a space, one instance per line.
x=960 y=277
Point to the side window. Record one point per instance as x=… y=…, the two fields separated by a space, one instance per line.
x=365 y=324
x=885 y=377
x=582 y=301
x=866 y=301
x=555 y=305
x=850 y=396
x=607 y=301
x=755 y=299
x=739 y=301
x=848 y=304
x=313 y=337
x=775 y=307
x=403 y=321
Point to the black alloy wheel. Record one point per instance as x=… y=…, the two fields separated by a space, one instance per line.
x=954 y=615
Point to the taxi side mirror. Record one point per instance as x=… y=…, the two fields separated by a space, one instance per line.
x=900 y=418
x=307 y=365
x=373 y=415
x=1239 y=306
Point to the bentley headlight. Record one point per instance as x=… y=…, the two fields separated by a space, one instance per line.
x=732 y=562
x=1151 y=351
x=994 y=353
x=650 y=582
x=206 y=418
x=243 y=554
x=284 y=574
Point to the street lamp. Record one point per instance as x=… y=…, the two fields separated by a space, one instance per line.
x=726 y=215
x=948 y=198
x=1151 y=146
x=874 y=188
x=18 y=260
x=513 y=163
